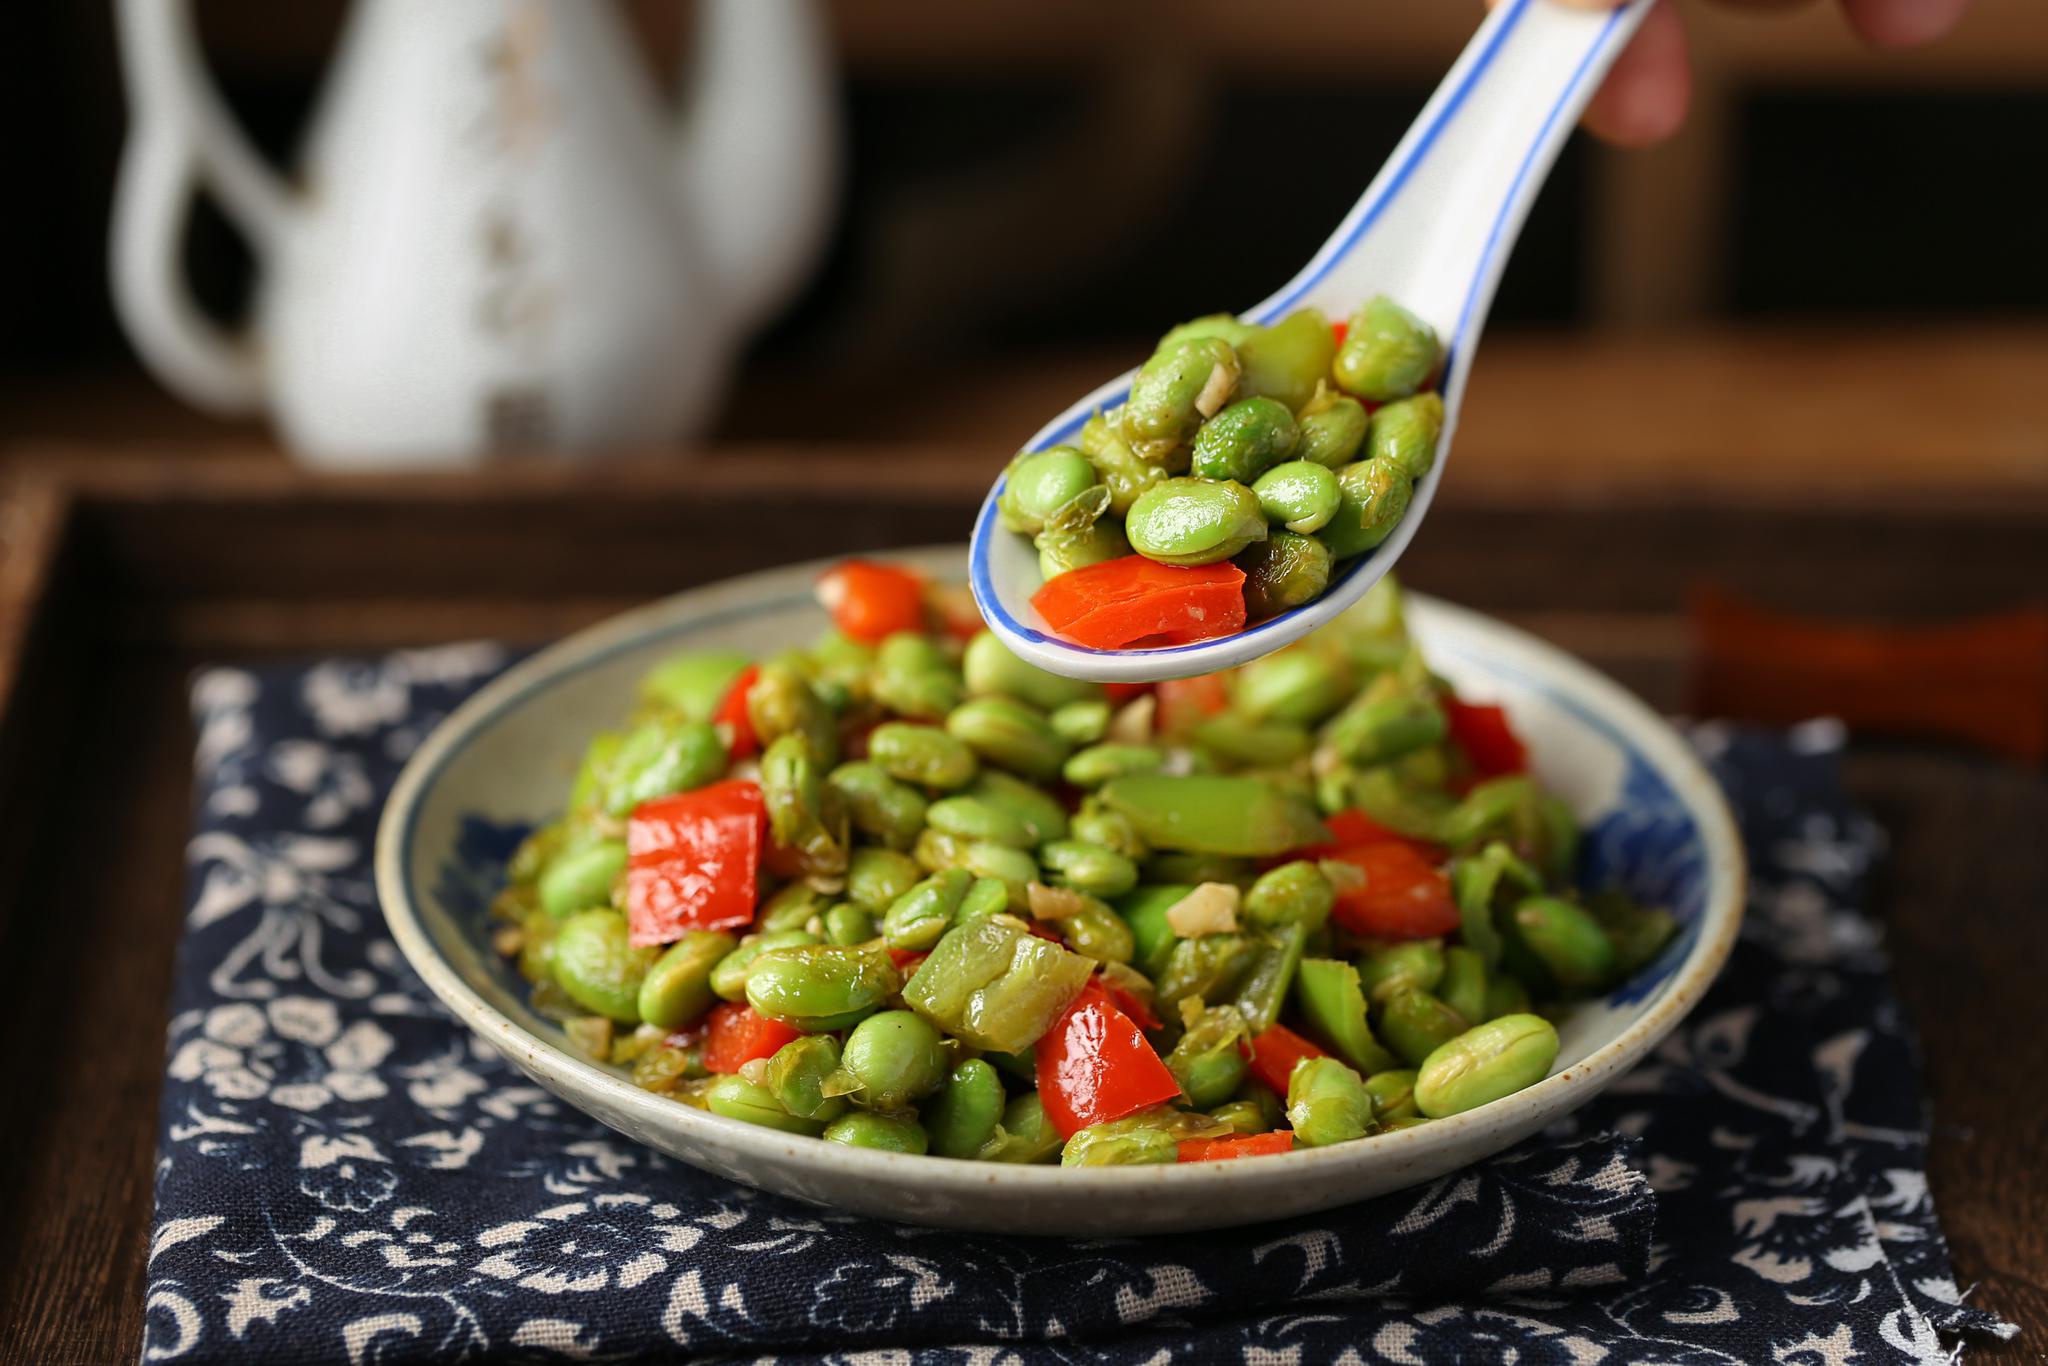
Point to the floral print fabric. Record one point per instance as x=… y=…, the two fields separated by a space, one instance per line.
x=347 y=1175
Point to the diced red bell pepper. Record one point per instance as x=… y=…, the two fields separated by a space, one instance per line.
x=1404 y=894
x=1094 y=1065
x=732 y=718
x=1185 y=703
x=1120 y=693
x=1244 y=1145
x=1340 y=330
x=692 y=861
x=1044 y=931
x=906 y=960
x=736 y=1034
x=1116 y=603
x=1274 y=1053
x=869 y=601
x=1486 y=737
x=955 y=609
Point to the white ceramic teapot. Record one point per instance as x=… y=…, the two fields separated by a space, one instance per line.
x=496 y=240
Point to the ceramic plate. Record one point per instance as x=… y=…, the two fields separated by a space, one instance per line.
x=1656 y=824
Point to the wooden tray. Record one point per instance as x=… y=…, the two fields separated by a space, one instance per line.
x=117 y=578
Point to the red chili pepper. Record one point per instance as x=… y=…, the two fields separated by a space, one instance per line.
x=1274 y=1053
x=1244 y=1145
x=1044 y=931
x=732 y=716
x=1120 y=693
x=906 y=960
x=1404 y=895
x=1094 y=1066
x=1119 y=602
x=692 y=860
x=1129 y=1004
x=1185 y=703
x=1486 y=737
x=1340 y=330
x=869 y=601
x=736 y=1034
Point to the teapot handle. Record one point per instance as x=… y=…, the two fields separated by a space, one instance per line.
x=181 y=139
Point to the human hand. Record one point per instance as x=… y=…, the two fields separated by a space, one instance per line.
x=1646 y=93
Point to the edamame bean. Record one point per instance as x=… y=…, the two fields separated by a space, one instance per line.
x=803 y=1077
x=782 y=702
x=916 y=919
x=1327 y=1103
x=1032 y=804
x=1288 y=359
x=1235 y=738
x=970 y=818
x=994 y=985
x=1040 y=485
x=1414 y=1022
x=985 y=896
x=848 y=924
x=577 y=879
x=1245 y=1117
x=895 y=1058
x=1224 y=325
x=1416 y=965
x=795 y=907
x=1095 y=824
x=877 y=804
x=1300 y=494
x=876 y=877
x=677 y=987
x=1638 y=933
x=1173 y=391
x=1122 y=472
x=911 y=677
x=963 y=1114
x=1392 y=1093
x=738 y=1098
x=921 y=754
x=658 y=758
x=1194 y=521
x=1088 y=868
x=1374 y=497
x=729 y=977
x=1299 y=685
x=1282 y=572
x=1506 y=996
x=1098 y=764
x=1244 y=440
x=820 y=988
x=1152 y=1135
x=883 y=1133
x=1010 y=734
x=1207 y=1061
x=1063 y=549
x=1296 y=893
x=1404 y=434
x=1485 y=1063
x=596 y=964
x=1388 y=352
x=1333 y=430
x=1081 y=723
x=1372 y=731
x=1567 y=941
x=990 y=666
x=1025 y=1135
x=1096 y=931
x=693 y=685
x=1209 y=967
x=793 y=789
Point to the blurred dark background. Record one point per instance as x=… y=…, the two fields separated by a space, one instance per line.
x=1034 y=190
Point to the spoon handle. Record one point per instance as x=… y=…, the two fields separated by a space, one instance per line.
x=1435 y=227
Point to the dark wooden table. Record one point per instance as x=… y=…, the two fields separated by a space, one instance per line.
x=115 y=581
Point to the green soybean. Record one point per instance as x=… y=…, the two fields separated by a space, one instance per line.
x=1194 y=521
x=729 y=977
x=1207 y=1061
x=738 y=1098
x=1244 y=440
x=693 y=685
x=1028 y=802
x=1373 y=731
x=1098 y=764
x=578 y=879
x=1235 y=738
x=596 y=964
x=1096 y=824
x=1009 y=734
x=1288 y=359
x=1327 y=1103
x=677 y=987
x=876 y=877
x=1282 y=572
x=917 y=918
x=1300 y=685
x=658 y=758
x=924 y=755
x=1374 y=496
x=1024 y=1136
x=1063 y=549
x=878 y=805
x=1388 y=352
x=883 y=1133
x=1334 y=1007
x=1414 y=1022
x=1081 y=723
x=1404 y=434
x=1392 y=1093
x=1415 y=965
x=1089 y=868
x=847 y=923
x=822 y=987
x=1039 y=486
x=895 y=1058
x=1333 y=430
x=802 y=1076
x=962 y=1115
x=1173 y=391
x=1296 y=893
x=1462 y=985
x=1123 y=473
x=1484 y=1064
x=1567 y=941
x=1300 y=494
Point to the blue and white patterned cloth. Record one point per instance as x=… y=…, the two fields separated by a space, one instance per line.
x=345 y=1174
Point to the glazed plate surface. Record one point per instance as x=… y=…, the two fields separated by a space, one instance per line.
x=501 y=763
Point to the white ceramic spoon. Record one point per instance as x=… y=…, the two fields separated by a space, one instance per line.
x=1433 y=231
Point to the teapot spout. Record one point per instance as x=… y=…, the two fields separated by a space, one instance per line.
x=757 y=156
